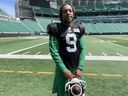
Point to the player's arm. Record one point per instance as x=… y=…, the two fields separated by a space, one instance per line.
x=54 y=48
x=82 y=58
x=82 y=54
x=53 y=44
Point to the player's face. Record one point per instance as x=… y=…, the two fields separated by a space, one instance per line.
x=67 y=14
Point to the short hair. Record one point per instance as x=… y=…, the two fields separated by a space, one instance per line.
x=61 y=8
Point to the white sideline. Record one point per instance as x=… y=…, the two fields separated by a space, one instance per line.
x=108 y=58
x=26 y=48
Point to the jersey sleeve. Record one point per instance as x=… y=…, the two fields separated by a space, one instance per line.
x=82 y=29
x=53 y=46
x=82 y=54
x=52 y=29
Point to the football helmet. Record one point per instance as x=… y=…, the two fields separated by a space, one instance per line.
x=75 y=87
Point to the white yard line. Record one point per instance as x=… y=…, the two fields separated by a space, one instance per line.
x=90 y=54
x=38 y=53
x=104 y=54
x=27 y=48
x=26 y=52
x=108 y=58
x=102 y=41
x=119 y=54
x=114 y=41
x=104 y=58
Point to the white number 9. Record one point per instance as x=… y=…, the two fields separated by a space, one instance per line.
x=71 y=41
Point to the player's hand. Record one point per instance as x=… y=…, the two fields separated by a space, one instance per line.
x=68 y=74
x=78 y=74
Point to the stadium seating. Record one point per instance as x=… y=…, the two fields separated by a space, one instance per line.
x=43 y=22
x=98 y=18
x=91 y=28
x=49 y=11
x=32 y=25
x=105 y=28
x=11 y=26
x=2 y=13
x=123 y=5
x=121 y=27
x=37 y=11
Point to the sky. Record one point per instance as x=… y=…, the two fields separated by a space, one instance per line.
x=8 y=6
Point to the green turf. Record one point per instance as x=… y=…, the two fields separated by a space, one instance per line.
x=96 y=45
x=121 y=40
x=14 y=83
x=107 y=86
x=31 y=84
x=42 y=49
x=103 y=44
x=21 y=84
x=10 y=45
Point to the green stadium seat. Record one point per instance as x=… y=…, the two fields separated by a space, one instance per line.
x=121 y=27
x=44 y=22
x=11 y=26
x=91 y=28
x=33 y=25
x=106 y=28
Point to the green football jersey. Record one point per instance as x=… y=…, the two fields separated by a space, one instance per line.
x=70 y=44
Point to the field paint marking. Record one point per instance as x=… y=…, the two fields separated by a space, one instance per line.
x=51 y=73
x=102 y=41
x=6 y=71
x=38 y=53
x=110 y=41
x=114 y=41
x=26 y=52
x=27 y=48
x=28 y=72
x=104 y=58
x=91 y=74
x=104 y=54
x=90 y=54
x=114 y=75
x=119 y=54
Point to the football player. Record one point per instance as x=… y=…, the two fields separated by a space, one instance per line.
x=67 y=48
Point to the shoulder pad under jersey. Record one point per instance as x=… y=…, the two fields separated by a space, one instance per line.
x=81 y=28
x=52 y=29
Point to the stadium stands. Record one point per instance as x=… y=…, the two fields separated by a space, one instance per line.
x=11 y=26
x=107 y=28
x=121 y=27
x=91 y=29
x=43 y=22
x=32 y=25
x=2 y=13
x=98 y=17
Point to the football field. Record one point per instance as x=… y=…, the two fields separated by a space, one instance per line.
x=26 y=68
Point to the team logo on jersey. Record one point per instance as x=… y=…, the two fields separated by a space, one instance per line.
x=76 y=30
